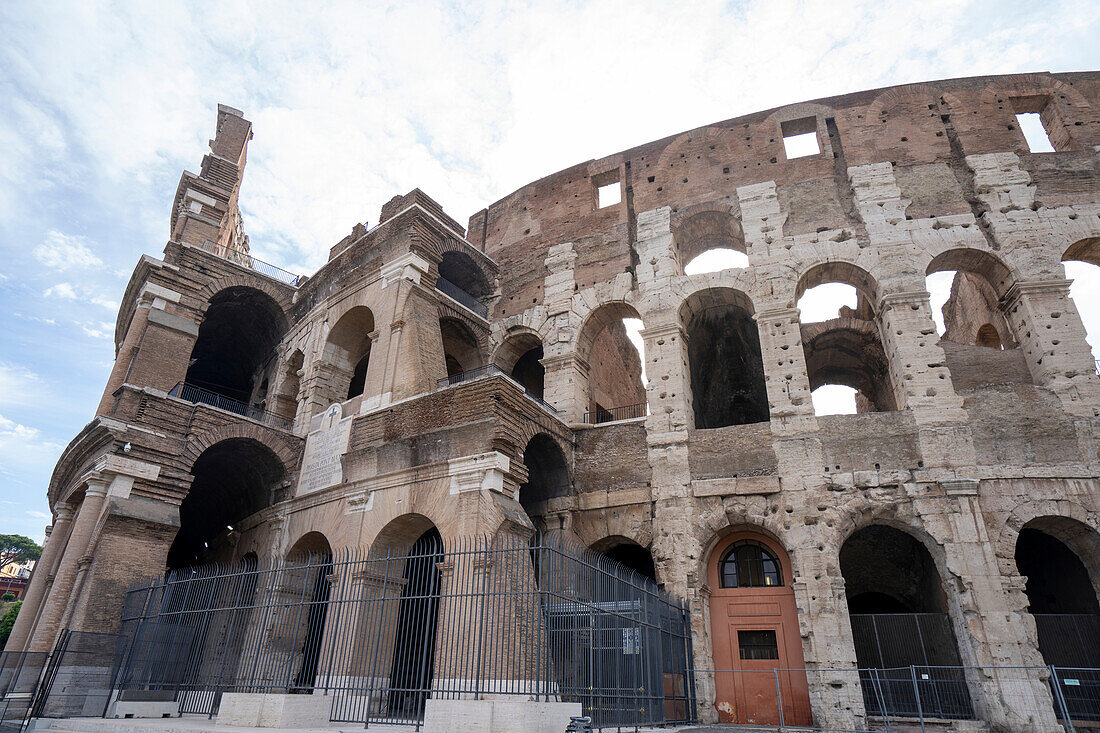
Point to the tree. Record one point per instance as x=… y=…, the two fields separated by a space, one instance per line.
x=8 y=622
x=15 y=548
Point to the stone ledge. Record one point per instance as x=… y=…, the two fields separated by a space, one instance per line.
x=741 y=486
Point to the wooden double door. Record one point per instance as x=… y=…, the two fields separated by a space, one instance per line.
x=758 y=663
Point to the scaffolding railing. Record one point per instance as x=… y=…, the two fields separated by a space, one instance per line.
x=199 y=395
x=252 y=263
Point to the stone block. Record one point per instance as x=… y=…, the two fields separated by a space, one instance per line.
x=267 y=710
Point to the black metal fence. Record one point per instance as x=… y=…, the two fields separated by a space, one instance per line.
x=492 y=370
x=77 y=680
x=628 y=412
x=199 y=395
x=382 y=632
x=461 y=297
x=247 y=260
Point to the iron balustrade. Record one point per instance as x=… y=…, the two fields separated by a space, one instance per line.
x=492 y=370
x=613 y=414
x=198 y=395
x=461 y=297
x=382 y=631
x=252 y=263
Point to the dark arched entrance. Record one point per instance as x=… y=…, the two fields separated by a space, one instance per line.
x=547 y=478
x=234 y=353
x=413 y=664
x=898 y=612
x=311 y=560
x=234 y=479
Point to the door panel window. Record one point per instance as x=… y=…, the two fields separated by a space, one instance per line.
x=758 y=644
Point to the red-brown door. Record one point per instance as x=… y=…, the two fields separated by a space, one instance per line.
x=754 y=621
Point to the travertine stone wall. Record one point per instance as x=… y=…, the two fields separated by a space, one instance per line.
x=910 y=181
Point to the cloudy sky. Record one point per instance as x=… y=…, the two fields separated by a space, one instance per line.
x=103 y=104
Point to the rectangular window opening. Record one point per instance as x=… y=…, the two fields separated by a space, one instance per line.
x=1031 y=124
x=609 y=195
x=758 y=644
x=800 y=138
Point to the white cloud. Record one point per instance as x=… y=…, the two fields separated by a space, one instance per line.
x=19 y=386
x=66 y=291
x=61 y=290
x=38 y=515
x=64 y=252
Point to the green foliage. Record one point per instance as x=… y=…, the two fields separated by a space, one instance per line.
x=8 y=621
x=7 y=597
x=17 y=548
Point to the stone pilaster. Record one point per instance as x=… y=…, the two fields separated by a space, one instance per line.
x=55 y=604
x=41 y=578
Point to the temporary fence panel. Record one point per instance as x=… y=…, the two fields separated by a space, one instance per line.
x=19 y=676
x=77 y=681
x=381 y=632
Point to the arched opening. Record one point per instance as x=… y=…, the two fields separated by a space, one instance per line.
x=898 y=611
x=845 y=359
x=628 y=553
x=413 y=664
x=460 y=347
x=234 y=353
x=461 y=279
x=310 y=558
x=724 y=359
x=709 y=241
x=1082 y=263
x=611 y=348
x=286 y=401
x=346 y=356
x=548 y=478
x=988 y=337
x=965 y=288
x=233 y=479
x=754 y=633
x=520 y=357
x=1061 y=592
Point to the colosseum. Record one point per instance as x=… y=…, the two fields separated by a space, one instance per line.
x=463 y=405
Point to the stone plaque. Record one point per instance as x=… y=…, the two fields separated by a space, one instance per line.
x=321 y=465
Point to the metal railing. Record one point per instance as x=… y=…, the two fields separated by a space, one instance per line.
x=247 y=260
x=461 y=297
x=380 y=632
x=198 y=395
x=595 y=417
x=492 y=370
x=20 y=673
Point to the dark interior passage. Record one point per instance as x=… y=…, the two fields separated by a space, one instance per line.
x=1062 y=599
x=236 y=342
x=635 y=557
x=547 y=477
x=233 y=480
x=414 y=646
x=530 y=372
x=727 y=370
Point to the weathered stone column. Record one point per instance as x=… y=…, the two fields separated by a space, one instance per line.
x=922 y=381
x=564 y=381
x=1049 y=328
x=785 y=373
x=55 y=604
x=40 y=578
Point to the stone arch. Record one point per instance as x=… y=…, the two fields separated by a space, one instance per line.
x=1050 y=98
x=848 y=352
x=704 y=227
x=243 y=280
x=462 y=350
x=345 y=356
x=447 y=245
x=1084 y=250
x=611 y=373
x=1033 y=85
x=549 y=477
x=628 y=552
x=725 y=361
x=288 y=448
x=520 y=356
x=978 y=291
x=313 y=543
x=234 y=354
x=399 y=534
x=1067 y=510
x=844 y=272
x=232 y=479
x=458 y=268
